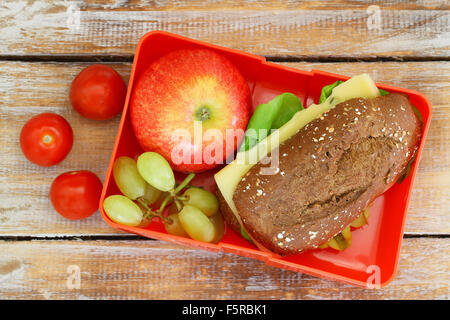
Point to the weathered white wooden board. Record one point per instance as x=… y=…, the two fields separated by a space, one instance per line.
x=158 y=270
x=71 y=30
x=274 y=28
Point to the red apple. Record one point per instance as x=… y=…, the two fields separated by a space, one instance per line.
x=183 y=91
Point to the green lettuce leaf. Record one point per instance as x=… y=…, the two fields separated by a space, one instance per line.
x=407 y=170
x=326 y=91
x=417 y=112
x=245 y=235
x=383 y=92
x=270 y=116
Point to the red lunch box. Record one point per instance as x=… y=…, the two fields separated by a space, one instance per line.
x=371 y=260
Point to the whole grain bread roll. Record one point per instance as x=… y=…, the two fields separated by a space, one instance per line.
x=328 y=173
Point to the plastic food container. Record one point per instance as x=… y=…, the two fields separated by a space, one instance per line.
x=371 y=260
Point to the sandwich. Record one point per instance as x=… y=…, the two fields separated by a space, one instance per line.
x=333 y=160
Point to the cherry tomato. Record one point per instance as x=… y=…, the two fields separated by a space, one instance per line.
x=76 y=194
x=46 y=139
x=98 y=92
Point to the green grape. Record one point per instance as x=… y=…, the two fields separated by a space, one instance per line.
x=122 y=210
x=151 y=194
x=196 y=224
x=219 y=226
x=127 y=178
x=202 y=199
x=175 y=227
x=156 y=171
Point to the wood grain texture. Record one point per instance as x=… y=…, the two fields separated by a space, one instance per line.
x=272 y=28
x=158 y=270
x=61 y=30
x=165 y=5
x=27 y=89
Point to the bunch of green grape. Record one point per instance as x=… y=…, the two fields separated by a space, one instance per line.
x=149 y=183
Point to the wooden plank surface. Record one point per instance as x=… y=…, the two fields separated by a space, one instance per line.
x=349 y=29
x=158 y=270
x=27 y=89
x=377 y=40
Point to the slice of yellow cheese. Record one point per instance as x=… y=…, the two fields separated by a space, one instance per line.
x=227 y=179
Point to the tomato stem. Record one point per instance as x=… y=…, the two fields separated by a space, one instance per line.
x=47 y=139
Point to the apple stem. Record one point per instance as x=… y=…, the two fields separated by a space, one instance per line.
x=203 y=114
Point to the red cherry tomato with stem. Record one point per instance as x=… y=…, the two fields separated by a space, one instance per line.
x=46 y=139
x=75 y=195
x=98 y=92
